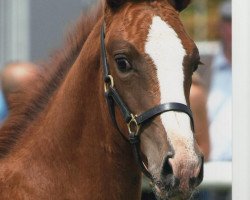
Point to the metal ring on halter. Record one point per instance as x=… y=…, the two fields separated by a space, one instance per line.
x=133 y=126
x=109 y=82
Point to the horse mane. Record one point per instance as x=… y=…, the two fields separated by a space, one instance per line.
x=27 y=104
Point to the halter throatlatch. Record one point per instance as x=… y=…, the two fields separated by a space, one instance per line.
x=133 y=121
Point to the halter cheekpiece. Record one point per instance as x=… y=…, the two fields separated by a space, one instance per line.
x=133 y=121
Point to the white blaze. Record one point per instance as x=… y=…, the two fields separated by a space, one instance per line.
x=166 y=50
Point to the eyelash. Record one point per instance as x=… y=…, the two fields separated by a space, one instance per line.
x=196 y=66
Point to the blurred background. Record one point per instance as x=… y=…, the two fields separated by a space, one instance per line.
x=30 y=30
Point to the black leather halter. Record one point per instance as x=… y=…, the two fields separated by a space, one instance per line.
x=133 y=121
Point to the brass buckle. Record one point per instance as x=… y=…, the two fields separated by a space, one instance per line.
x=133 y=126
x=109 y=84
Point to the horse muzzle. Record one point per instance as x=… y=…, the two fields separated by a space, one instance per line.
x=178 y=181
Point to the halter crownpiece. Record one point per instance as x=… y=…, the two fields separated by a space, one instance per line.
x=133 y=121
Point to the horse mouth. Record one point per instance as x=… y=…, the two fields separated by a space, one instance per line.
x=165 y=193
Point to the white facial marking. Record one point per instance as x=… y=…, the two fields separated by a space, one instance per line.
x=166 y=50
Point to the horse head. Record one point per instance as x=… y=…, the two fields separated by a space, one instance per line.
x=152 y=59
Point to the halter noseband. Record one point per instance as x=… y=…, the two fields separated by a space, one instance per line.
x=133 y=121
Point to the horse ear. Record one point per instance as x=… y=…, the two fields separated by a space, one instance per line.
x=180 y=4
x=115 y=4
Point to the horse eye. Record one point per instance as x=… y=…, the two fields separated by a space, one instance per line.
x=123 y=65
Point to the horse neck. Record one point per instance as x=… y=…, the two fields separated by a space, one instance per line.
x=81 y=135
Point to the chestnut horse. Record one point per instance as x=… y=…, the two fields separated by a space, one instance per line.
x=61 y=143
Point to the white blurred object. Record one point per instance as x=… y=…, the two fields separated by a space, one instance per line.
x=217 y=175
x=241 y=96
x=210 y=48
x=14 y=30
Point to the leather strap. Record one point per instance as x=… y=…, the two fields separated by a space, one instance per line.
x=104 y=55
x=149 y=114
x=135 y=142
x=166 y=107
x=122 y=106
x=111 y=107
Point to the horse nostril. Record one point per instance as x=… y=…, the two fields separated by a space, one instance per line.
x=200 y=176
x=195 y=181
x=167 y=167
